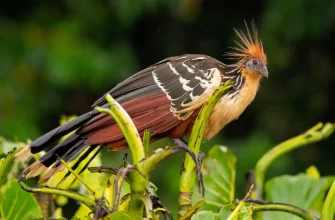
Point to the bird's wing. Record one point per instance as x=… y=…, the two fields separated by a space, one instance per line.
x=168 y=91
x=141 y=83
x=188 y=81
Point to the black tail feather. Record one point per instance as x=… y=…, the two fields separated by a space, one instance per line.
x=54 y=135
x=82 y=158
x=59 y=150
x=72 y=153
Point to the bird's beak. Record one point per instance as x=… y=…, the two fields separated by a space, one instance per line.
x=264 y=71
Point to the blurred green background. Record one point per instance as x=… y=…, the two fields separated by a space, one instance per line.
x=58 y=57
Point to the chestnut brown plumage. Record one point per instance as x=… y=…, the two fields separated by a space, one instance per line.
x=164 y=98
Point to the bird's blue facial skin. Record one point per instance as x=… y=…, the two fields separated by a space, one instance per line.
x=257 y=66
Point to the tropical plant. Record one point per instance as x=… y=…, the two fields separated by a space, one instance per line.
x=127 y=193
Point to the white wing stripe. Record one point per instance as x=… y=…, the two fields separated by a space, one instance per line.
x=184 y=82
x=160 y=86
x=188 y=68
x=198 y=58
x=173 y=69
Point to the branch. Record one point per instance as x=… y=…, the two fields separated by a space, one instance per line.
x=261 y=206
x=127 y=127
x=89 y=188
x=138 y=182
x=187 y=179
x=315 y=134
x=90 y=203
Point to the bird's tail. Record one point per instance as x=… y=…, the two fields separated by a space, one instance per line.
x=68 y=150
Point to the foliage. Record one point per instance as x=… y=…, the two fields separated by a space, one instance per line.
x=126 y=193
x=219 y=177
x=14 y=202
x=17 y=204
x=58 y=57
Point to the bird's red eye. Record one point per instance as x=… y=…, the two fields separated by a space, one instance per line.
x=255 y=62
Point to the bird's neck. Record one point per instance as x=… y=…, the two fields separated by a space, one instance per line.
x=231 y=105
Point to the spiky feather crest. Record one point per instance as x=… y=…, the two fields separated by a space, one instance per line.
x=251 y=47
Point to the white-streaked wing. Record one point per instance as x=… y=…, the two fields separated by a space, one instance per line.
x=188 y=82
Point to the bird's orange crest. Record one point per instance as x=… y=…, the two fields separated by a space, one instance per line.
x=252 y=47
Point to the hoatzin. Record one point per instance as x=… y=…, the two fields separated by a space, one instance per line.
x=164 y=98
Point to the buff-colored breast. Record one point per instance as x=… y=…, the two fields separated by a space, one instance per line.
x=228 y=109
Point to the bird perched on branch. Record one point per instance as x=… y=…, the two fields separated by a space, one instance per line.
x=164 y=98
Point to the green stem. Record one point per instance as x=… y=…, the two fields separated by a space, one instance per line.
x=90 y=203
x=191 y=211
x=316 y=133
x=89 y=188
x=127 y=127
x=282 y=207
x=146 y=141
x=328 y=209
x=138 y=182
x=151 y=162
x=233 y=215
x=188 y=176
x=144 y=169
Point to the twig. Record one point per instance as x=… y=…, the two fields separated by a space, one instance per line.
x=127 y=127
x=90 y=203
x=316 y=133
x=79 y=178
x=261 y=206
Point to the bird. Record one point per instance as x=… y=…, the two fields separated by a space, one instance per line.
x=165 y=98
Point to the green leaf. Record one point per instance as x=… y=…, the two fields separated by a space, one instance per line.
x=328 y=209
x=16 y=204
x=302 y=190
x=5 y=166
x=204 y=215
x=191 y=211
x=83 y=212
x=119 y=215
x=219 y=177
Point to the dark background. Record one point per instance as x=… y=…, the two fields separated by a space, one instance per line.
x=58 y=57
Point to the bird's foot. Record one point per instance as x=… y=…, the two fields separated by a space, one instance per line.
x=180 y=142
x=201 y=157
x=198 y=159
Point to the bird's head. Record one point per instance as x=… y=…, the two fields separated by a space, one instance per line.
x=250 y=53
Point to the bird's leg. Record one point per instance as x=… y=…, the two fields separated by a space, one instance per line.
x=101 y=209
x=198 y=159
x=181 y=143
x=201 y=157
